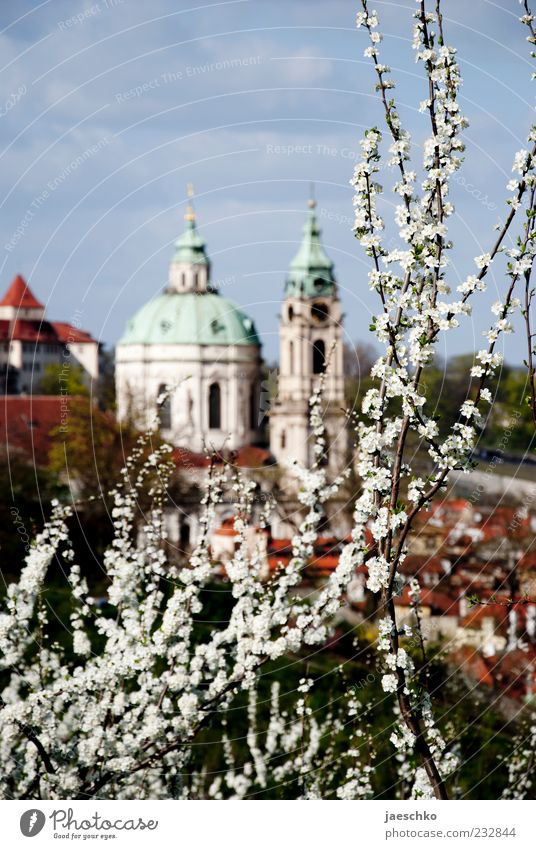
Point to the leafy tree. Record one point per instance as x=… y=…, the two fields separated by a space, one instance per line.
x=90 y=450
x=25 y=496
x=106 y=388
x=66 y=379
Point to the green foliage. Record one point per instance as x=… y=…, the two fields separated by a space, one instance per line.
x=106 y=388
x=25 y=495
x=470 y=717
x=65 y=379
x=447 y=385
x=90 y=449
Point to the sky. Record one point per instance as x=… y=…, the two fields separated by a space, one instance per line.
x=108 y=110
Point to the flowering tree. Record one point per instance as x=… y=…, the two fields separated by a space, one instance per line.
x=115 y=710
x=412 y=284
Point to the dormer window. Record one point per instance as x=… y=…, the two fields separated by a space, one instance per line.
x=216 y=326
x=165 y=325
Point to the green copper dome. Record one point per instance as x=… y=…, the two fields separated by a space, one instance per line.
x=189 y=247
x=190 y=318
x=311 y=270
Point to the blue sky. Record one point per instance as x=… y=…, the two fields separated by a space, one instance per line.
x=250 y=100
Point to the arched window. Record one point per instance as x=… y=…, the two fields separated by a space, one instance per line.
x=319 y=357
x=184 y=534
x=164 y=407
x=214 y=406
x=291 y=357
x=253 y=407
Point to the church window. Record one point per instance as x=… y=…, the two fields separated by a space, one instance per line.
x=184 y=535
x=283 y=440
x=164 y=407
x=290 y=312
x=291 y=356
x=214 y=406
x=319 y=357
x=319 y=312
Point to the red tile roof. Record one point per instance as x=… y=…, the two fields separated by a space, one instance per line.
x=27 y=421
x=474 y=617
x=438 y=602
x=514 y=670
x=20 y=295
x=510 y=672
x=471 y=662
x=528 y=561
x=325 y=558
x=67 y=333
x=249 y=456
x=35 y=330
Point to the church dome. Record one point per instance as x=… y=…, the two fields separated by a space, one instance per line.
x=190 y=318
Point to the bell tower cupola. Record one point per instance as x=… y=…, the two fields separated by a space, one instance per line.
x=189 y=270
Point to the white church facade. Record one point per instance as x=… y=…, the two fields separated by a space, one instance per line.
x=194 y=358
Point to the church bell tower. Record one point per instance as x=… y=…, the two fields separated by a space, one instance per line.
x=310 y=345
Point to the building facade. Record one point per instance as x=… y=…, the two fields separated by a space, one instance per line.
x=311 y=346
x=29 y=342
x=192 y=357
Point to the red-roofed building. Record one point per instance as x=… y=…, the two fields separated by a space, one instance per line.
x=26 y=422
x=29 y=343
x=20 y=302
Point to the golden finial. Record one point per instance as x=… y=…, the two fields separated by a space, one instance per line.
x=190 y=212
x=311 y=203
